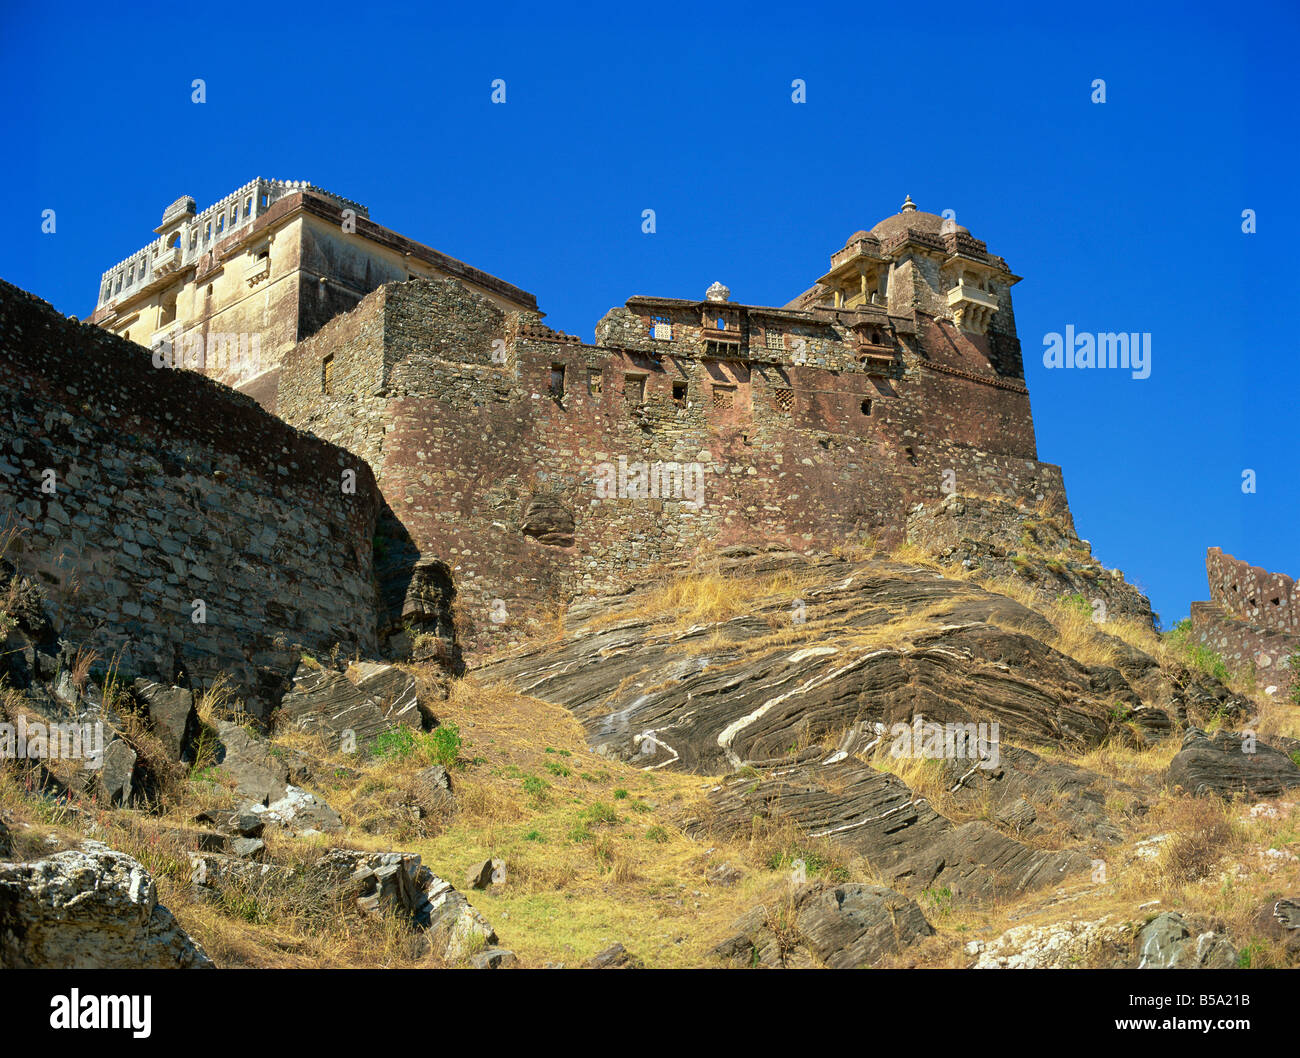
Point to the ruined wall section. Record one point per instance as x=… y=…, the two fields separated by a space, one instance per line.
x=169 y=488
x=1252 y=619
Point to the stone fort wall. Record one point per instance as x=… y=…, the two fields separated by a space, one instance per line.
x=138 y=490
x=491 y=435
x=1251 y=619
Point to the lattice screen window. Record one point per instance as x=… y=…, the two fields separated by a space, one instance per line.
x=775 y=340
x=724 y=396
x=327 y=374
x=784 y=400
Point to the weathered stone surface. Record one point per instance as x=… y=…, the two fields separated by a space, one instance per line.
x=1280 y=920
x=1100 y=943
x=400 y=882
x=838 y=926
x=326 y=703
x=615 y=957
x=874 y=815
x=176 y=488
x=1168 y=942
x=494 y=959
x=433 y=785
x=6 y=841
x=395 y=691
x=480 y=876
x=1227 y=763
x=114 y=782
x=716 y=696
x=258 y=773
x=172 y=717
x=89 y=908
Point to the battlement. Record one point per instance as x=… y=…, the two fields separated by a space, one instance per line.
x=183 y=235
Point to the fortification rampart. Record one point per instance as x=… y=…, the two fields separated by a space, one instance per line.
x=1252 y=619
x=538 y=466
x=174 y=525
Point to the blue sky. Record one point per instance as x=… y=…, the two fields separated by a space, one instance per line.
x=1122 y=216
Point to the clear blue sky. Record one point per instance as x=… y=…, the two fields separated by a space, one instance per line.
x=1124 y=216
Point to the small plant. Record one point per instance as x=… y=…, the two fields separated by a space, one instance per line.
x=600 y=814
x=657 y=834
x=534 y=835
x=445 y=744
x=535 y=786
x=620 y=795
x=558 y=769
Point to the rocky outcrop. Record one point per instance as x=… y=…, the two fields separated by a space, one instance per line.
x=1066 y=945
x=875 y=642
x=1227 y=763
x=400 y=882
x=262 y=775
x=615 y=957
x=841 y=927
x=1171 y=942
x=350 y=711
x=89 y=908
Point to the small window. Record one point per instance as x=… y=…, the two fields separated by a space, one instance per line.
x=221 y=224
x=724 y=396
x=248 y=206
x=557 y=381
x=722 y=324
x=866 y=407
x=775 y=339
x=266 y=200
x=784 y=400
x=194 y=239
x=207 y=232
x=594 y=379
x=176 y=241
x=327 y=374
x=679 y=392
x=634 y=389
x=209 y=290
x=661 y=328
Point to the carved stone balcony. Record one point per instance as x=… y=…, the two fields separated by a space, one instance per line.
x=166 y=260
x=972 y=308
x=257 y=269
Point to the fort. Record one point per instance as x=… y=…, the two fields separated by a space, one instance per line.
x=480 y=440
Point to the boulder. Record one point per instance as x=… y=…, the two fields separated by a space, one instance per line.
x=172 y=717
x=837 y=926
x=398 y=881
x=1167 y=942
x=615 y=957
x=1227 y=763
x=89 y=908
x=393 y=690
x=494 y=959
x=113 y=783
x=1280 y=920
x=325 y=703
x=433 y=789
x=258 y=773
x=480 y=876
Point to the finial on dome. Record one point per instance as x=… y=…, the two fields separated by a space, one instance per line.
x=909 y=206
x=717 y=292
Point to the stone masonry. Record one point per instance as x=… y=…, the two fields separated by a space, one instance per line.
x=538 y=467
x=1251 y=619
x=139 y=493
